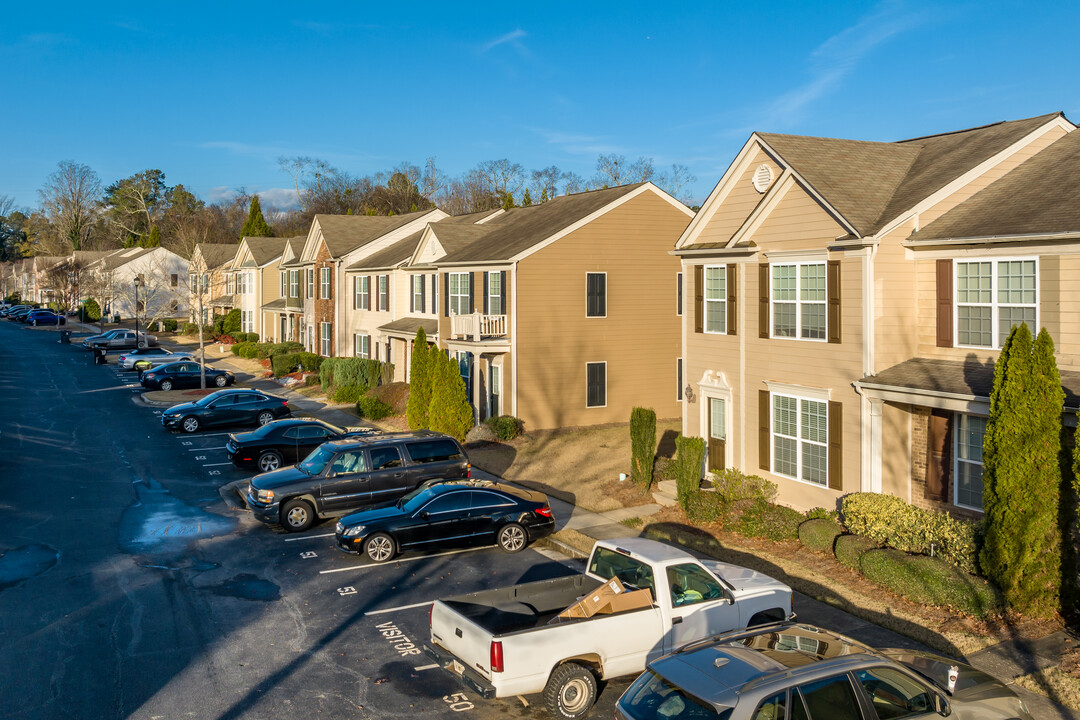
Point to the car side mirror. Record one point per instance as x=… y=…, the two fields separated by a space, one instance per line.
x=941 y=704
x=424 y=515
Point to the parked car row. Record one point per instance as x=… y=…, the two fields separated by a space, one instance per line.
x=29 y=315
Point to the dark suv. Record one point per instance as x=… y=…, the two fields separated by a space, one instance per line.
x=353 y=474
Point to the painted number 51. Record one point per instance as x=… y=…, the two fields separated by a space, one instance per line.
x=458 y=702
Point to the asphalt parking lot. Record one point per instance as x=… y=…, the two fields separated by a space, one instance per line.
x=130 y=589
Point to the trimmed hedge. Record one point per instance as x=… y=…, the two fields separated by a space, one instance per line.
x=362 y=372
x=773 y=522
x=506 y=427
x=642 y=445
x=373 y=408
x=820 y=534
x=347 y=394
x=888 y=520
x=291 y=362
x=849 y=548
x=703 y=508
x=929 y=581
x=243 y=349
x=734 y=487
x=689 y=454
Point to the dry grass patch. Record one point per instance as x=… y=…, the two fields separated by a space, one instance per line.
x=578 y=465
x=1060 y=683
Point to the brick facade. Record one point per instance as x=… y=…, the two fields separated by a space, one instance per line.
x=323 y=307
x=921 y=496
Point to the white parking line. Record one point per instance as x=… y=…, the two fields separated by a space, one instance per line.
x=402 y=607
x=308 y=537
x=425 y=667
x=222 y=447
x=215 y=464
x=397 y=562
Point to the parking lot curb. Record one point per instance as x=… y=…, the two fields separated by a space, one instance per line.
x=566 y=549
x=230 y=493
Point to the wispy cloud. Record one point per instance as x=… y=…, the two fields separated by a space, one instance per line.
x=512 y=38
x=272 y=198
x=576 y=143
x=270 y=152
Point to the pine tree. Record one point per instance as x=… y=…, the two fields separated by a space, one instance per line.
x=153 y=239
x=256 y=225
x=544 y=196
x=416 y=411
x=526 y=199
x=508 y=201
x=1021 y=474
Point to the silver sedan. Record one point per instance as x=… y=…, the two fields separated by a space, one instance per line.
x=153 y=355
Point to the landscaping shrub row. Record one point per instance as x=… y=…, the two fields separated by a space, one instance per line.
x=373 y=408
x=354 y=371
x=262 y=351
x=291 y=362
x=506 y=427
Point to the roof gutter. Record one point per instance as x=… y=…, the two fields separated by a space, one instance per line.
x=741 y=251
x=978 y=240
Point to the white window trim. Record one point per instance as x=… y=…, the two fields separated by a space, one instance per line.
x=587 y=315
x=995 y=316
x=495 y=275
x=721 y=391
x=418 y=298
x=294 y=283
x=810 y=393
x=383 y=279
x=324 y=336
x=362 y=292
x=451 y=294
x=310 y=283
x=357 y=345
x=587 y=405
x=958 y=419
x=798 y=454
x=284 y=283
x=680 y=294
x=705 y=299
x=797 y=301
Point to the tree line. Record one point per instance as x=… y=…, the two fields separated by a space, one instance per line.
x=77 y=211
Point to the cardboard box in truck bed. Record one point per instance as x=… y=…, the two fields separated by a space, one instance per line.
x=611 y=597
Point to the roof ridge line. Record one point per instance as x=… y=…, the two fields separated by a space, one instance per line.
x=1059 y=113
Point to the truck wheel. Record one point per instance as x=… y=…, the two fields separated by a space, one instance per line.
x=767 y=617
x=512 y=538
x=297 y=515
x=570 y=691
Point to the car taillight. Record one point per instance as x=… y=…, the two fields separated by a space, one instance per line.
x=545 y=511
x=285 y=402
x=468 y=471
x=496 y=656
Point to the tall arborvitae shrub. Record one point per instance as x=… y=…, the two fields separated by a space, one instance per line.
x=1021 y=475
x=689 y=456
x=642 y=445
x=416 y=411
x=230 y=325
x=449 y=411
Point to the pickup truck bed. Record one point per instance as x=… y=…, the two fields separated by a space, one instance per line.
x=523 y=607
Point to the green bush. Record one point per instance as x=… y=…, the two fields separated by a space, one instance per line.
x=664 y=469
x=820 y=512
x=346 y=394
x=210 y=332
x=253 y=337
x=773 y=522
x=704 y=507
x=820 y=534
x=152 y=327
x=929 y=581
x=416 y=408
x=170 y=324
x=888 y=520
x=505 y=427
x=736 y=487
x=190 y=328
x=849 y=548
x=642 y=446
x=291 y=362
x=243 y=349
x=450 y=411
x=269 y=349
x=361 y=372
x=218 y=326
x=92 y=310
x=312 y=379
x=373 y=408
x=231 y=323
x=689 y=454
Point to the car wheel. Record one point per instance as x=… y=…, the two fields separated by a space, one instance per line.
x=512 y=538
x=380 y=547
x=264 y=417
x=221 y=381
x=269 y=461
x=297 y=515
x=166 y=385
x=570 y=691
x=189 y=424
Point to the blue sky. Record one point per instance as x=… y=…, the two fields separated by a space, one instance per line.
x=214 y=93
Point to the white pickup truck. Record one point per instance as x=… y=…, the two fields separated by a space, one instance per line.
x=501 y=643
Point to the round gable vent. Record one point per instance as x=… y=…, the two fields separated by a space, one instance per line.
x=762 y=178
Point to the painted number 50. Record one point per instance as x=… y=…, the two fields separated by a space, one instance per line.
x=458 y=702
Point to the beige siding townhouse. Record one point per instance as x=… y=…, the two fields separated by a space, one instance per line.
x=284 y=316
x=257 y=279
x=210 y=291
x=565 y=313
x=846 y=301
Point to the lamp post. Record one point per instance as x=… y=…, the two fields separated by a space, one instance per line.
x=138 y=282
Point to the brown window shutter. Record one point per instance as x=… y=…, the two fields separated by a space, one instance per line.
x=423 y=295
x=412 y=294
x=764 y=430
x=763 y=300
x=836 y=445
x=732 y=298
x=699 y=298
x=832 y=283
x=472 y=291
x=938 y=456
x=502 y=290
x=944 y=303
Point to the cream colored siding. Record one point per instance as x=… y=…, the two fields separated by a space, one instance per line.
x=896 y=307
x=740 y=202
x=639 y=338
x=896 y=450
x=797 y=222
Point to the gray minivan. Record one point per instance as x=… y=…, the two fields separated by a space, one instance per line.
x=353 y=474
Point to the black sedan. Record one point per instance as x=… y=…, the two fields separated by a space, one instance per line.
x=235 y=406
x=459 y=512
x=177 y=375
x=285 y=441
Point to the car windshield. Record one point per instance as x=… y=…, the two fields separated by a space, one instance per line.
x=415 y=498
x=315 y=463
x=651 y=697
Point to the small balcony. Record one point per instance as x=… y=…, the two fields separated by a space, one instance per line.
x=477 y=326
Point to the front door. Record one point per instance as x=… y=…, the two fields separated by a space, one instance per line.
x=717 y=433
x=493 y=392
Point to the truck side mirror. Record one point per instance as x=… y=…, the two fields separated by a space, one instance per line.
x=941 y=704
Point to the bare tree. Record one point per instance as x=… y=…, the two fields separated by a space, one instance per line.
x=675 y=181
x=64 y=278
x=433 y=181
x=501 y=177
x=69 y=199
x=573 y=183
x=613 y=170
x=544 y=183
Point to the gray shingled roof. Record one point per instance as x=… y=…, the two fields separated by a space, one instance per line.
x=344 y=233
x=409 y=326
x=402 y=250
x=968 y=378
x=266 y=249
x=519 y=229
x=1042 y=195
x=872 y=183
x=217 y=254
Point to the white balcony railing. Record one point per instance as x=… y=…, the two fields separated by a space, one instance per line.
x=477 y=326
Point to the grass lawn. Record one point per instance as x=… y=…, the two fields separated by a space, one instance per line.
x=579 y=465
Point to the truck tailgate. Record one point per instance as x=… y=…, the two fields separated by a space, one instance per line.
x=469 y=642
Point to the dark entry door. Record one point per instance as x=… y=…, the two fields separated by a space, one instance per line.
x=717 y=433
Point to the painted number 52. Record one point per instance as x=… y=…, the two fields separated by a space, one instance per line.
x=458 y=702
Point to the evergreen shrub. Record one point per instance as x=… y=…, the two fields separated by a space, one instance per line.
x=450 y=411
x=888 y=520
x=416 y=410
x=703 y=508
x=689 y=454
x=231 y=323
x=506 y=427
x=190 y=328
x=736 y=487
x=849 y=548
x=291 y=362
x=361 y=372
x=929 y=581
x=820 y=534
x=642 y=446
x=92 y=310
x=373 y=408
x=347 y=394
x=766 y=520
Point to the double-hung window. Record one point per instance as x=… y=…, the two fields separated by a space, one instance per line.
x=715 y=299
x=310 y=282
x=800 y=438
x=494 y=292
x=294 y=284
x=324 y=283
x=230 y=284
x=968 y=488
x=992 y=296
x=324 y=339
x=418 y=293
x=595 y=294
x=460 y=292
x=799 y=300
x=284 y=283
x=384 y=292
x=362 y=346
x=596 y=384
